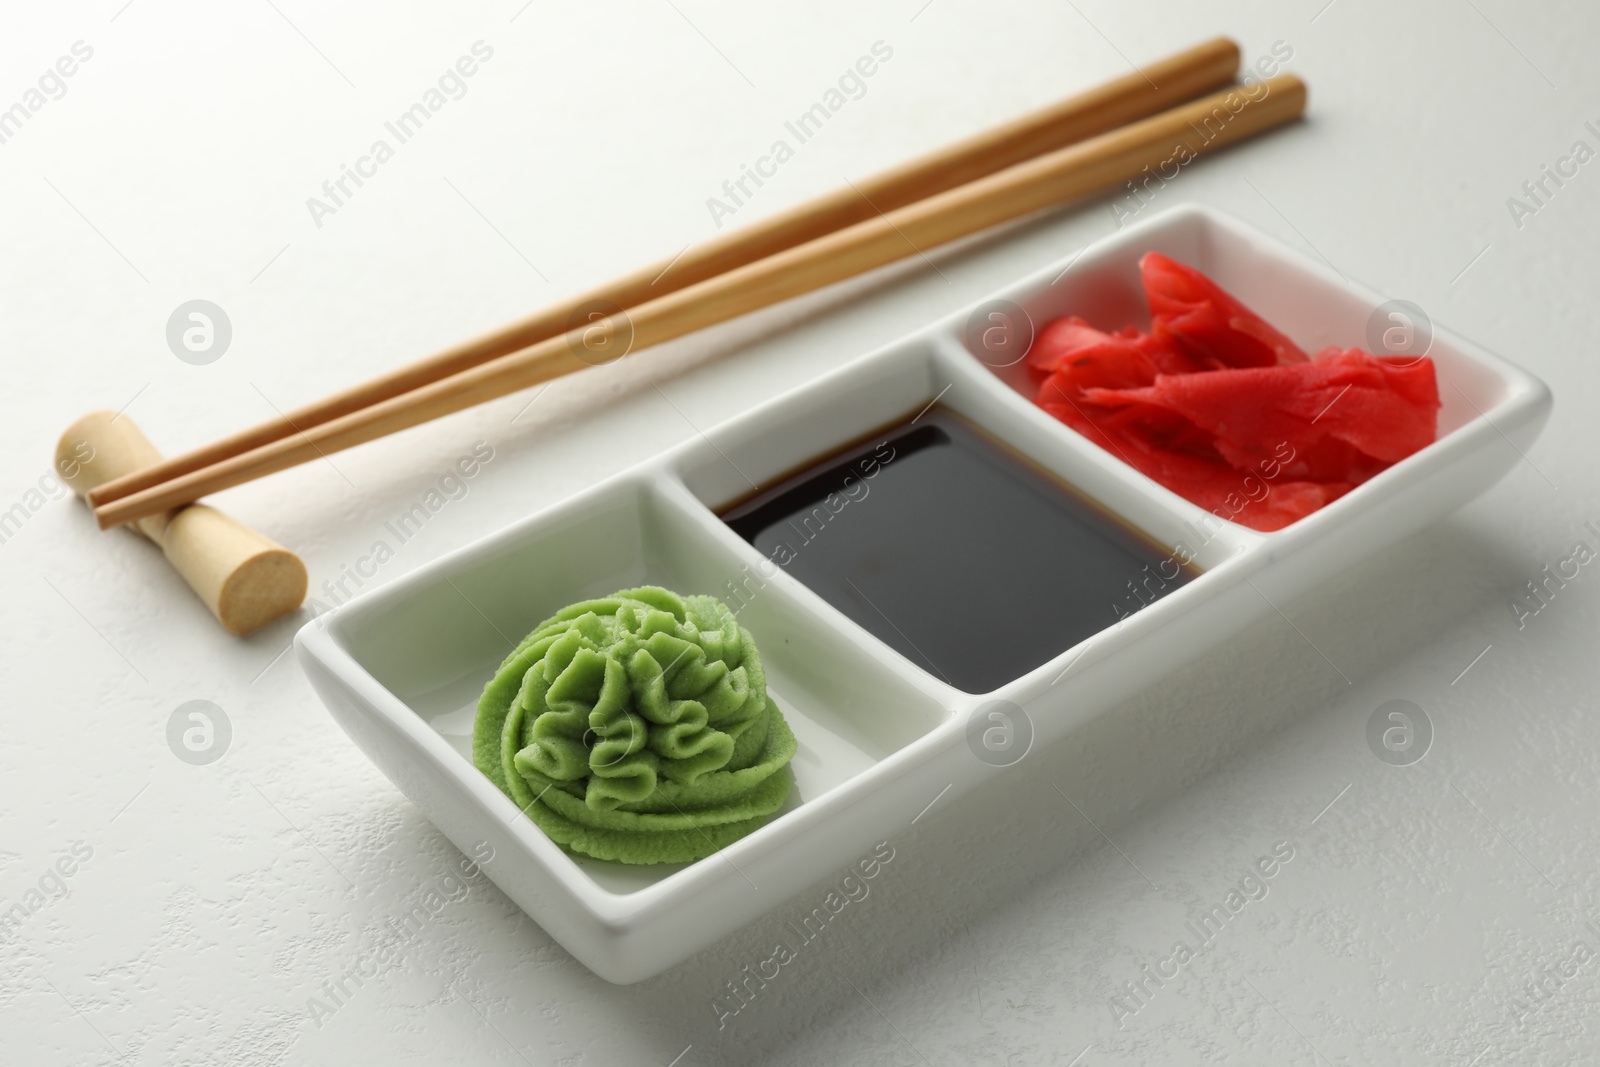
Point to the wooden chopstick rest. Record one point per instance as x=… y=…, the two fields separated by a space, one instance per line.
x=246 y=579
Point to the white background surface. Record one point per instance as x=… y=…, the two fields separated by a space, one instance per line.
x=218 y=899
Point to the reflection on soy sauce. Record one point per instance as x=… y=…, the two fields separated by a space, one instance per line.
x=959 y=554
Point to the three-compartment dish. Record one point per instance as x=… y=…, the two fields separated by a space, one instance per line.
x=882 y=726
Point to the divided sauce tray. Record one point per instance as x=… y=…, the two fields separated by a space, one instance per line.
x=401 y=667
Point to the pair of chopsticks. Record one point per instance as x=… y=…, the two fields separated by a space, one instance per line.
x=1086 y=143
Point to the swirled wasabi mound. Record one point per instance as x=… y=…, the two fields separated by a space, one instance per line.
x=637 y=728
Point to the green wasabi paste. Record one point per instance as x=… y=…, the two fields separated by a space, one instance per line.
x=637 y=728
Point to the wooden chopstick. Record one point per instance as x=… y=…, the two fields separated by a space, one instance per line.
x=1134 y=96
x=1174 y=136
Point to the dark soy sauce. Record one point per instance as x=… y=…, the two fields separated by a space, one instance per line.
x=959 y=554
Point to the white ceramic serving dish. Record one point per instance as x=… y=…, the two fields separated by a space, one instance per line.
x=401 y=667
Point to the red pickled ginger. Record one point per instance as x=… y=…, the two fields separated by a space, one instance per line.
x=1218 y=406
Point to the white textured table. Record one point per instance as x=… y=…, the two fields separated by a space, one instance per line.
x=1432 y=913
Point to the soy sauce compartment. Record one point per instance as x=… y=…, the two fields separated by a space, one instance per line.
x=857 y=407
x=960 y=554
